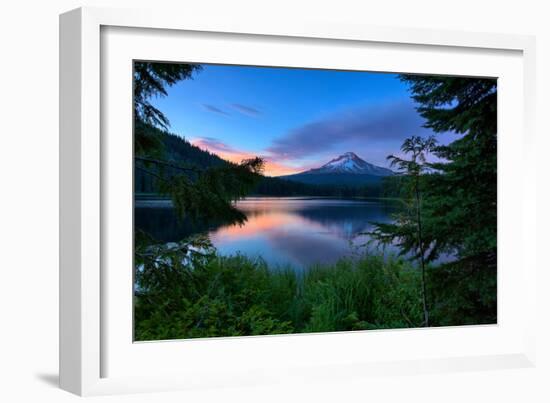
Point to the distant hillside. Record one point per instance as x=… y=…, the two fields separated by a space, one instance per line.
x=177 y=150
x=341 y=179
x=181 y=151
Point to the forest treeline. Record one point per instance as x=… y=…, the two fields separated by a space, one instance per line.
x=181 y=152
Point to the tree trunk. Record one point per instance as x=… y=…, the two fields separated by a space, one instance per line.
x=421 y=248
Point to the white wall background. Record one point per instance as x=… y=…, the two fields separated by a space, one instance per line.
x=29 y=196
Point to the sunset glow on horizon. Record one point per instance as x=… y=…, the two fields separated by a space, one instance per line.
x=271 y=167
x=295 y=119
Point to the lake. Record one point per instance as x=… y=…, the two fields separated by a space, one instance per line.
x=283 y=231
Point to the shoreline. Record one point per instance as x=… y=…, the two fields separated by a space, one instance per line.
x=150 y=197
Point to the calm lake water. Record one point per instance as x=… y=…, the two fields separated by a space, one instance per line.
x=283 y=231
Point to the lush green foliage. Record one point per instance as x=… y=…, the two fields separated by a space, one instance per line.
x=461 y=199
x=463 y=292
x=406 y=232
x=183 y=293
x=459 y=194
x=453 y=202
x=407 y=229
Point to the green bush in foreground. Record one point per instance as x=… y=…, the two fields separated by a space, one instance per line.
x=185 y=294
x=235 y=296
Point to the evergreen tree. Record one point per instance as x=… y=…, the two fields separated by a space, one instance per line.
x=150 y=81
x=198 y=192
x=458 y=203
x=463 y=196
x=407 y=230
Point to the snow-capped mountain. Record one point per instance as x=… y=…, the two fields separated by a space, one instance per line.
x=350 y=163
x=346 y=170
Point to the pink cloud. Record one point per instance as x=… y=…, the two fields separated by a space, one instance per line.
x=272 y=167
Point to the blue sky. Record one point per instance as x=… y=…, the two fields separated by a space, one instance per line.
x=295 y=118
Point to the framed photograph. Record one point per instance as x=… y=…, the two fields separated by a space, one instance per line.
x=253 y=203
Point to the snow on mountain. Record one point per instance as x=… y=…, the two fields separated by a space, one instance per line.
x=350 y=163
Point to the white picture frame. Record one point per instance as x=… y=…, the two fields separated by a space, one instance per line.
x=96 y=354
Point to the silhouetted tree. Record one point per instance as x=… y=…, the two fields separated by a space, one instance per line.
x=407 y=230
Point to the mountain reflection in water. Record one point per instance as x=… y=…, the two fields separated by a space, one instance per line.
x=282 y=231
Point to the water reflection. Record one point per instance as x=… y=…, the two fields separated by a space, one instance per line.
x=300 y=232
x=283 y=231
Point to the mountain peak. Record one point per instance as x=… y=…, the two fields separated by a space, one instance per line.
x=349 y=154
x=350 y=162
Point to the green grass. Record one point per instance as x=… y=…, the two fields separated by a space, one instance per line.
x=237 y=296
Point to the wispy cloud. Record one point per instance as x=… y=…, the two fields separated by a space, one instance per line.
x=390 y=124
x=214 y=109
x=215 y=146
x=373 y=132
x=247 y=110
